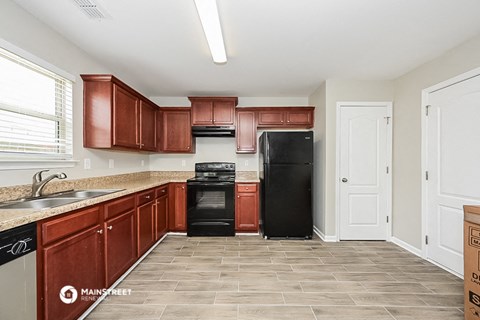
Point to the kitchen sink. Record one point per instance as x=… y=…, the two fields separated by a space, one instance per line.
x=41 y=203
x=84 y=193
x=56 y=199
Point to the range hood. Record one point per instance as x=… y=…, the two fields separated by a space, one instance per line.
x=213 y=131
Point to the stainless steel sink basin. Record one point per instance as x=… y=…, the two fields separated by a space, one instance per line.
x=84 y=193
x=57 y=199
x=41 y=203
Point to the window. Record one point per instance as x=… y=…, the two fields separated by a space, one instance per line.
x=35 y=111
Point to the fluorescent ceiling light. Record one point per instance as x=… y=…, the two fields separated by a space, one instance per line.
x=208 y=12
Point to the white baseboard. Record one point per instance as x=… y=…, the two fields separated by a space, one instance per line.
x=323 y=236
x=407 y=247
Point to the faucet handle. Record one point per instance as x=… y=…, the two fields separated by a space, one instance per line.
x=37 y=177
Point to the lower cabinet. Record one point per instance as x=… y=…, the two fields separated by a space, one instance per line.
x=120 y=238
x=177 y=195
x=246 y=207
x=161 y=212
x=145 y=221
x=70 y=256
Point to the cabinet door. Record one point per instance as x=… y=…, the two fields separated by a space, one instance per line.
x=246 y=208
x=246 y=132
x=271 y=118
x=161 y=216
x=223 y=113
x=178 y=206
x=300 y=117
x=176 y=131
x=120 y=245
x=202 y=112
x=76 y=261
x=148 y=124
x=125 y=118
x=145 y=227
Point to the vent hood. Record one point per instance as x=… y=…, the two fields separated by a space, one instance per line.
x=213 y=131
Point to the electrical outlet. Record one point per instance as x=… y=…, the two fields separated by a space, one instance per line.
x=142 y=163
x=184 y=163
x=86 y=163
x=111 y=163
x=246 y=163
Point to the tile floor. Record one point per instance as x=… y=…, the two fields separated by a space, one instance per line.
x=247 y=277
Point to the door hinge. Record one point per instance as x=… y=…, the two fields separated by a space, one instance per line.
x=426 y=175
x=388 y=169
x=387 y=219
x=426 y=109
x=426 y=239
x=388 y=119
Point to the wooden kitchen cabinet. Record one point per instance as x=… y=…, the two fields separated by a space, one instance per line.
x=148 y=126
x=120 y=237
x=177 y=195
x=70 y=253
x=246 y=131
x=115 y=116
x=161 y=211
x=174 y=130
x=246 y=207
x=209 y=111
x=285 y=117
x=145 y=221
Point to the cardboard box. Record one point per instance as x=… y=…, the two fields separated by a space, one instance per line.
x=471 y=254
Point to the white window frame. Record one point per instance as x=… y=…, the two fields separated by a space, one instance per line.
x=7 y=163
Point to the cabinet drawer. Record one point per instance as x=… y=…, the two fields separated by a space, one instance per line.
x=119 y=206
x=70 y=224
x=145 y=197
x=162 y=191
x=251 y=187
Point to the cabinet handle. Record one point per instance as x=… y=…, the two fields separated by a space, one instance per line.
x=110 y=227
x=100 y=231
x=147 y=197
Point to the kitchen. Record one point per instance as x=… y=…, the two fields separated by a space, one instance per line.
x=453 y=56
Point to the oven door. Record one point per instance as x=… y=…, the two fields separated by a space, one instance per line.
x=210 y=208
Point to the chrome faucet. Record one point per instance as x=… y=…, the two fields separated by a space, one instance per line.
x=39 y=183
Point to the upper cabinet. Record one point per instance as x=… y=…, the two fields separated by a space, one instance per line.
x=213 y=111
x=174 y=130
x=246 y=132
x=279 y=117
x=115 y=116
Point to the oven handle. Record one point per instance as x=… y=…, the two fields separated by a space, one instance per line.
x=209 y=183
x=210 y=223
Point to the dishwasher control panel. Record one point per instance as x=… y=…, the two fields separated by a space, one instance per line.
x=17 y=242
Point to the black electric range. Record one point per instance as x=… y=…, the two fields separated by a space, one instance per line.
x=211 y=200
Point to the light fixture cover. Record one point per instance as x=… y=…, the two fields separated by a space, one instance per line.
x=208 y=13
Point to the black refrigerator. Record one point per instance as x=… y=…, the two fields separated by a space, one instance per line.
x=286 y=170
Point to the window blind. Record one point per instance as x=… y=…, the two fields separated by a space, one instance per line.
x=35 y=111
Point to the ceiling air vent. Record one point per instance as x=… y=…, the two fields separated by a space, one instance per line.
x=90 y=8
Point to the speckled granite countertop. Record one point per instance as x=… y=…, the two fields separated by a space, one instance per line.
x=130 y=183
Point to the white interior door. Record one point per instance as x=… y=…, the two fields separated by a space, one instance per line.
x=364 y=186
x=453 y=153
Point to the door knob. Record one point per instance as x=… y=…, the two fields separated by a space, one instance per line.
x=344 y=180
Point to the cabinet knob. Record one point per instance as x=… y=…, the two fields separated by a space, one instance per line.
x=238 y=197
x=110 y=227
x=100 y=231
x=246 y=188
x=147 y=197
x=163 y=191
x=183 y=188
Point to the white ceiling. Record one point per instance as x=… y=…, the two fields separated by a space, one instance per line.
x=274 y=47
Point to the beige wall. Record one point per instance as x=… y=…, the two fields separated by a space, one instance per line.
x=407 y=175
x=318 y=99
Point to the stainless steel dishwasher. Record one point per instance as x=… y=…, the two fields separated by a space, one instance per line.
x=18 y=273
